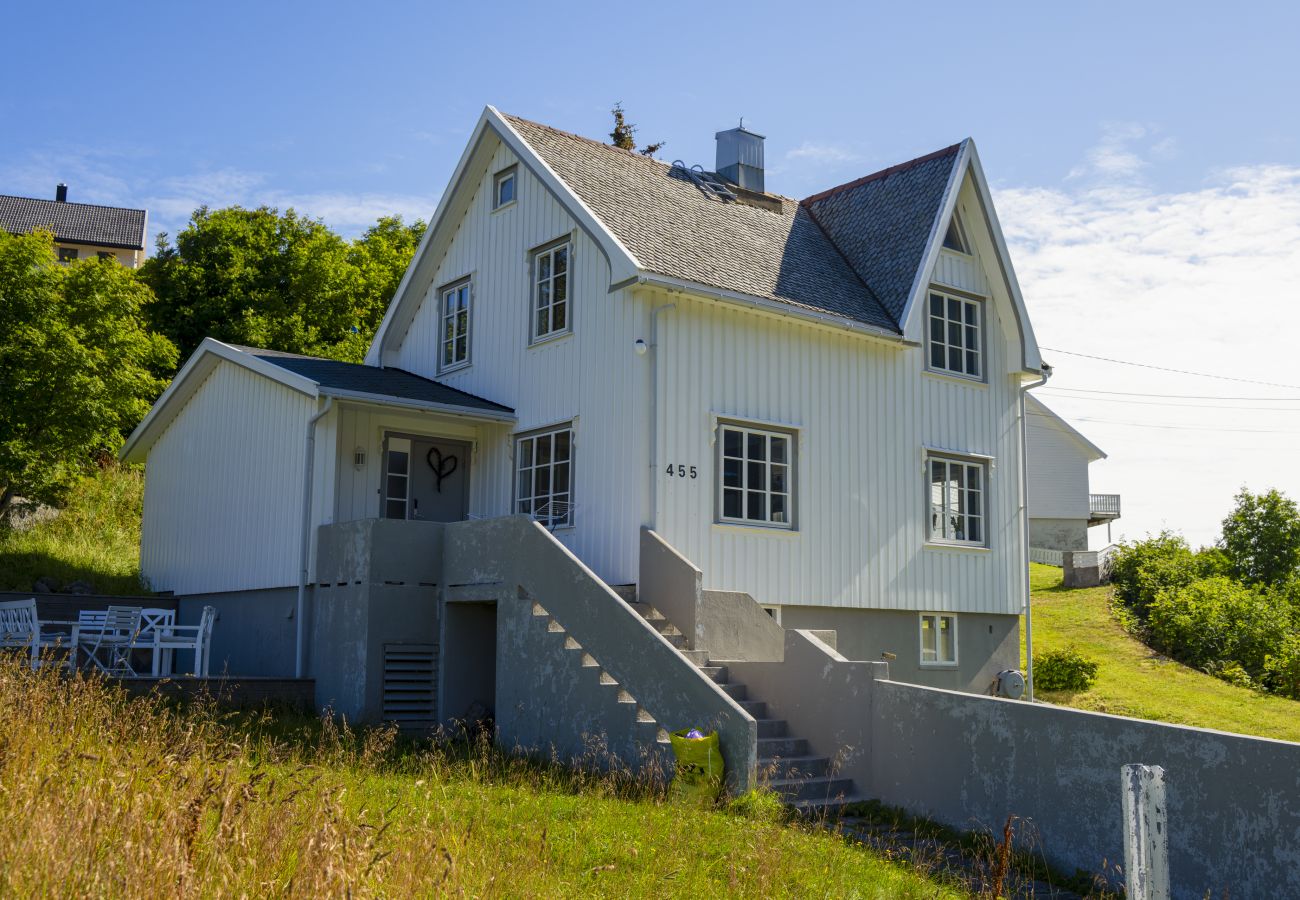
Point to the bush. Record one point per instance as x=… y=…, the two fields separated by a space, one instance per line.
x=1141 y=570
x=1282 y=669
x=1064 y=670
x=1215 y=621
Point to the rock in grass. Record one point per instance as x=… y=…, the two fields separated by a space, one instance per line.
x=78 y=587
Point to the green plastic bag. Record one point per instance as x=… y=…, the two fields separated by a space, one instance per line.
x=699 y=773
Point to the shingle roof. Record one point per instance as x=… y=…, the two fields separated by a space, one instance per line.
x=674 y=229
x=882 y=222
x=354 y=378
x=74 y=223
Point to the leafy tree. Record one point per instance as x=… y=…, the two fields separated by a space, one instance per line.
x=276 y=280
x=1215 y=621
x=1261 y=537
x=77 y=365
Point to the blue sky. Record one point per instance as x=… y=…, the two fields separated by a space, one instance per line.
x=1145 y=156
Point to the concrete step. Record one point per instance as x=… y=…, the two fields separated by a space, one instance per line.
x=644 y=610
x=821 y=787
x=756 y=708
x=824 y=807
x=735 y=691
x=770 y=749
x=771 y=728
x=677 y=640
x=697 y=657
x=794 y=767
x=717 y=673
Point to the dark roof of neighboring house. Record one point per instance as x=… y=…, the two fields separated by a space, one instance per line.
x=359 y=379
x=882 y=222
x=674 y=229
x=74 y=223
x=852 y=251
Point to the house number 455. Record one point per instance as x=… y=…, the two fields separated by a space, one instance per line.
x=680 y=471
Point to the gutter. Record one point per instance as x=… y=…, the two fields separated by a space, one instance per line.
x=299 y=665
x=1046 y=373
x=828 y=320
x=447 y=409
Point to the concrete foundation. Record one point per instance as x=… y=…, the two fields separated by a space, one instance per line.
x=986 y=643
x=1058 y=534
x=254 y=632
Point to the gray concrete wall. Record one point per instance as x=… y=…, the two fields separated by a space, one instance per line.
x=253 y=634
x=1234 y=802
x=516 y=552
x=1059 y=534
x=731 y=625
x=670 y=583
x=986 y=643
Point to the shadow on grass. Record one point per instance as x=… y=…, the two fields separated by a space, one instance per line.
x=20 y=569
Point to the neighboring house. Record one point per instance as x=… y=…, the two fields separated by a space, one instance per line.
x=1061 y=507
x=81 y=230
x=715 y=399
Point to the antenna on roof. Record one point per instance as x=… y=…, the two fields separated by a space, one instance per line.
x=705 y=181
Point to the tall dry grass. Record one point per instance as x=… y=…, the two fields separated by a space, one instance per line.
x=105 y=796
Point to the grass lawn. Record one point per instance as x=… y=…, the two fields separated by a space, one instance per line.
x=1134 y=680
x=108 y=797
x=95 y=538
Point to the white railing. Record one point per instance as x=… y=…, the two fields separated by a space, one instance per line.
x=1047 y=557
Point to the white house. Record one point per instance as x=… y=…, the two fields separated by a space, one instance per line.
x=81 y=230
x=816 y=403
x=1061 y=507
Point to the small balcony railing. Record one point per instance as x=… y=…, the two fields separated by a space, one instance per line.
x=1103 y=506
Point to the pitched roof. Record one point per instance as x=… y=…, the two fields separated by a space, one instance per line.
x=882 y=222
x=675 y=229
x=355 y=379
x=74 y=223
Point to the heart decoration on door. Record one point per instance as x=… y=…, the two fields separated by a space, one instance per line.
x=444 y=466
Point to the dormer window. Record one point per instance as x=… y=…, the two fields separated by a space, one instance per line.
x=504 y=188
x=955 y=237
x=955 y=344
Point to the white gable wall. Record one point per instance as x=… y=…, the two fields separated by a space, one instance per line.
x=222 y=500
x=591 y=377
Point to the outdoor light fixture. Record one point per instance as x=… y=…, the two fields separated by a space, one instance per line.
x=641 y=346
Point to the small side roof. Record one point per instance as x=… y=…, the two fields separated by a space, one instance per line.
x=315 y=377
x=1036 y=407
x=75 y=223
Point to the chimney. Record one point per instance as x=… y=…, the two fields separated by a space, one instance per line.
x=61 y=193
x=740 y=157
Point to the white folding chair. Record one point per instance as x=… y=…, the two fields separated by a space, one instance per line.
x=109 y=648
x=170 y=638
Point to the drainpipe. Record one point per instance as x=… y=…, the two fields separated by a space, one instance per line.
x=1024 y=517
x=654 y=409
x=309 y=462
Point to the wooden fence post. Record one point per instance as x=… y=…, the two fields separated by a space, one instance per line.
x=1146 y=832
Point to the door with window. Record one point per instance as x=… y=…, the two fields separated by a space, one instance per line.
x=426 y=479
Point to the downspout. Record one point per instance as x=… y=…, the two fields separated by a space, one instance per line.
x=309 y=464
x=1024 y=517
x=653 y=519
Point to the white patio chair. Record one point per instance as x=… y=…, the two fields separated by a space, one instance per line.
x=170 y=638
x=109 y=646
x=20 y=627
x=150 y=620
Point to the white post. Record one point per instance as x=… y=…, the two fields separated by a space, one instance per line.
x=1146 y=832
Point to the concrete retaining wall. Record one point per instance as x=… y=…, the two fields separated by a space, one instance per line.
x=230 y=693
x=670 y=583
x=253 y=633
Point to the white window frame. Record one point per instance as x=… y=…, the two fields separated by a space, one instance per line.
x=456 y=288
x=536 y=282
x=510 y=173
x=937 y=662
x=970 y=347
x=746 y=430
x=961 y=504
x=396 y=486
x=527 y=461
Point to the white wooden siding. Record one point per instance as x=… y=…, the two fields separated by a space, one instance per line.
x=222 y=503
x=1058 y=469
x=960 y=271
x=591 y=377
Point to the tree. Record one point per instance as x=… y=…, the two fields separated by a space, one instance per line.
x=381 y=257
x=78 y=367
x=624 y=134
x=1261 y=537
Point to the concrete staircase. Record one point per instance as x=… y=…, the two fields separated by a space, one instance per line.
x=785 y=764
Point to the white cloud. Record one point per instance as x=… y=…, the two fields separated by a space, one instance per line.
x=1202 y=280
x=822 y=154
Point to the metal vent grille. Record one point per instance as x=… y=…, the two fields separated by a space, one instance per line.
x=410 y=684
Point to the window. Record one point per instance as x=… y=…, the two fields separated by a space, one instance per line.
x=104 y=254
x=68 y=254
x=756 y=481
x=955 y=237
x=938 y=639
x=397 y=477
x=551 y=291
x=956 y=500
x=544 y=479
x=955 y=335
x=503 y=193
x=454 y=351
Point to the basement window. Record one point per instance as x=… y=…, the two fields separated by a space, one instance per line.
x=755 y=476
x=938 y=639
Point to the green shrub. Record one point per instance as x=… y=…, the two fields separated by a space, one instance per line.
x=1282 y=668
x=1231 y=672
x=1141 y=570
x=1064 y=670
x=1215 y=621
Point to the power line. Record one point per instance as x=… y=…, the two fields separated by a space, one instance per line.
x=1293 y=409
x=1176 y=427
x=1170 y=396
x=1125 y=362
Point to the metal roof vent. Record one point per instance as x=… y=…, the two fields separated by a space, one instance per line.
x=740 y=157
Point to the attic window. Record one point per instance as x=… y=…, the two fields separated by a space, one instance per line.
x=504 y=188
x=955 y=238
